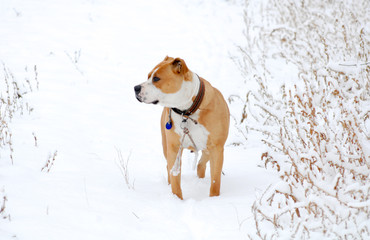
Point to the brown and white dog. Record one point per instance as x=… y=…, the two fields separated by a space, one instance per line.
x=190 y=103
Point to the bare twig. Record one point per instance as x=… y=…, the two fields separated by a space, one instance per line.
x=50 y=162
x=123 y=166
x=75 y=60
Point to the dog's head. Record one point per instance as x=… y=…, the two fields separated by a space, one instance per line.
x=169 y=84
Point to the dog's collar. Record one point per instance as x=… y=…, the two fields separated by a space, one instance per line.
x=196 y=103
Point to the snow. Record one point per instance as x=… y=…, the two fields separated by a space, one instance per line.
x=89 y=55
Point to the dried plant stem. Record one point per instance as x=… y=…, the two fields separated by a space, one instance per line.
x=123 y=166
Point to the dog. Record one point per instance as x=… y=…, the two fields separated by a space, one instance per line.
x=195 y=116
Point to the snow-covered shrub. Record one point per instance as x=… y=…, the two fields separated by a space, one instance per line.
x=12 y=92
x=306 y=65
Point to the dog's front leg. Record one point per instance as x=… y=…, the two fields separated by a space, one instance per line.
x=175 y=181
x=216 y=162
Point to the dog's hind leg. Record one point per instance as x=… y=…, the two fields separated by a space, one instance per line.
x=202 y=165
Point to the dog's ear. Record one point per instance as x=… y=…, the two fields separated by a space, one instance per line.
x=166 y=58
x=179 y=66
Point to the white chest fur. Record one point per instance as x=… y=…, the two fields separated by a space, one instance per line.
x=198 y=132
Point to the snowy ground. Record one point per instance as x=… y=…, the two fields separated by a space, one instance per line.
x=89 y=55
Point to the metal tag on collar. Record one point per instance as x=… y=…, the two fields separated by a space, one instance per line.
x=184 y=122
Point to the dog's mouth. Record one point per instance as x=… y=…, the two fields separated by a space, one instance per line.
x=143 y=100
x=138 y=98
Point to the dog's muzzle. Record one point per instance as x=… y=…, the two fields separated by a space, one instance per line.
x=139 y=95
x=137 y=90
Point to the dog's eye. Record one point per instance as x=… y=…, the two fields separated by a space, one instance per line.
x=156 y=79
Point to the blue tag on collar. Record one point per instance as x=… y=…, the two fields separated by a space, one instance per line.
x=168 y=125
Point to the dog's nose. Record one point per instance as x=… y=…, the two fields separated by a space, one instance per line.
x=137 y=89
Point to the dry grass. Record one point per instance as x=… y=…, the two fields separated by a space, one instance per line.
x=12 y=102
x=314 y=126
x=50 y=162
x=123 y=167
x=3 y=200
